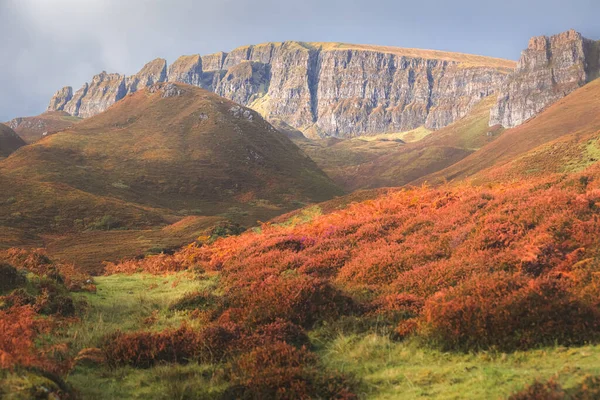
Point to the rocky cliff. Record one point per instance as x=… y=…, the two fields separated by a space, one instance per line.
x=324 y=89
x=549 y=69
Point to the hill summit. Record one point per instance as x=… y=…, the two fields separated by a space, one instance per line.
x=173 y=147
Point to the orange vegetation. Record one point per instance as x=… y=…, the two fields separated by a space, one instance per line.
x=461 y=266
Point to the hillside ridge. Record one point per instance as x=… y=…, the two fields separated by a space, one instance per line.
x=320 y=88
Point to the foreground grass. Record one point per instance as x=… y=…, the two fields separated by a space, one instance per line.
x=168 y=382
x=132 y=302
x=386 y=369
x=406 y=370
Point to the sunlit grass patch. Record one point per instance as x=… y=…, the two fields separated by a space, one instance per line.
x=409 y=370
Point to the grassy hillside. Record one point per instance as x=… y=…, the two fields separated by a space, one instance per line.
x=150 y=160
x=32 y=129
x=560 y=139
x=9 y=141
x=460 y=291
x=373 y=162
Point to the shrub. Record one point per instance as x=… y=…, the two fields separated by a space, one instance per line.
x=281 y=371
x=300 y=299
x=278 y=331
x=19 y=328
x=509 y=312
x=540 y=391
x=105 y=223
x=145 y=349
x=203 y=300
x=588 y=389
x=157 y=265
x=17 y=298
x=9 y=278
x=37 y=262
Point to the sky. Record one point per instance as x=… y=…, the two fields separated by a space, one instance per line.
x=48 y=44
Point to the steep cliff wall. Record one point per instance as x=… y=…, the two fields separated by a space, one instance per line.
x=549 y=69
x=324 y=89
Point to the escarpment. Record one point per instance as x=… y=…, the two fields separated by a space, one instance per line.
x=549 y=69
x=323 y=89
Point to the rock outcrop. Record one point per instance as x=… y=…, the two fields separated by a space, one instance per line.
x=549 y=69
x=153 y=72
x=186 y=69
x=61 y=98
x=32 y=129
x=323 y=89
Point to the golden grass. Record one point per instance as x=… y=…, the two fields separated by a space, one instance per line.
x=539 y=144
x=369 y=162
x=408 y=137
x=32 y=129
x=467 y=59
x=88 y=250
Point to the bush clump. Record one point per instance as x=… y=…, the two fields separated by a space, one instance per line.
x=282 y=371
x=479 y=313
x=588 y=389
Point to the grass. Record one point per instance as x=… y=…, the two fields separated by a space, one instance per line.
x=168 y=382
x=9 y=141
x=369 y=162
x=32 y=129
x=124 y=302
x=385 y=368
x=408 y=137
x=407 y=370
x=553 y=141
x=88 y=249
x=146 y=162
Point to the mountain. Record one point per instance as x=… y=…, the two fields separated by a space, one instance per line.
x=157 y=156
x=178 y=147
x=549 y=69
x=323 y=89
x=9 y=141
x=562 y=138
x=387 y=160
x=34 y=128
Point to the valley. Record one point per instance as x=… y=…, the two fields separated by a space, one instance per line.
x=308 y=220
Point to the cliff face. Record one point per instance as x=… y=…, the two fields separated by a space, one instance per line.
x=549 y=69
x=323 y=89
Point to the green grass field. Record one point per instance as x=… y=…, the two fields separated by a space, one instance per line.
x=385 y=369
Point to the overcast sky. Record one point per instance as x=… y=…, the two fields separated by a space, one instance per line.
x=48 y=44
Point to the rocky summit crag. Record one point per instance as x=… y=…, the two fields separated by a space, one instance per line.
x=323 y=89
x=549 y=69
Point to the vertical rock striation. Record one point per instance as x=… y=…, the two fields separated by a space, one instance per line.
x=324 y=89
x=549 y=69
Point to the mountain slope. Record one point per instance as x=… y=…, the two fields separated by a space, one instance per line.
x=34 y=128
x=362 y=164
x=177 y=147
x=576 y=116
x=9 y=141
x=158 y=156
x=323 y=89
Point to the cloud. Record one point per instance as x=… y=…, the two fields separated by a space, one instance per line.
x=47 y=44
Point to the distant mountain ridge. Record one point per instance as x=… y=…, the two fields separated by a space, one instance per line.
x=323 y=89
